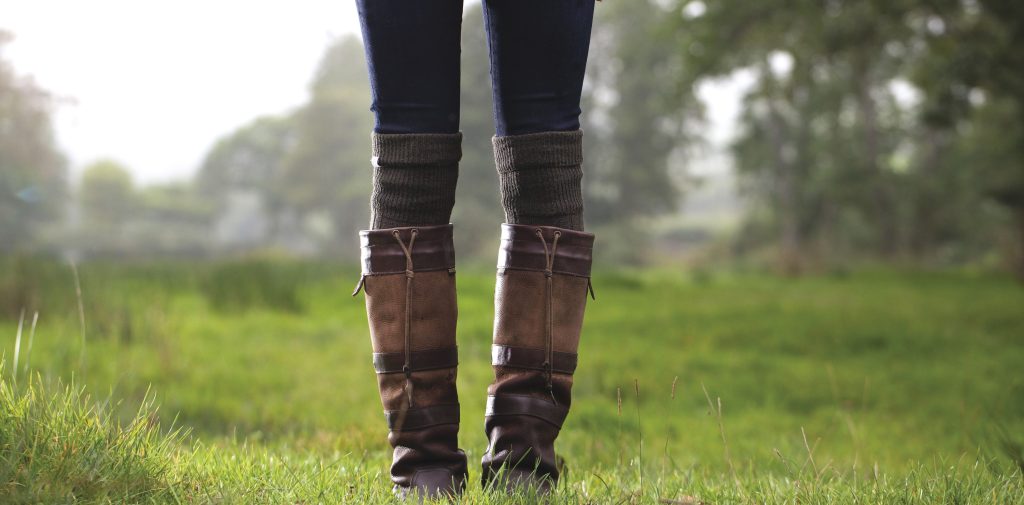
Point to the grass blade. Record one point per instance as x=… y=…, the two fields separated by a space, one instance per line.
x=17 y=346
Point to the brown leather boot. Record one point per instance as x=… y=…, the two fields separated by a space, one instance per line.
x=409 y=280
x=540 y=295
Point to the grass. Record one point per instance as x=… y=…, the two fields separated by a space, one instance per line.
x=873 y=387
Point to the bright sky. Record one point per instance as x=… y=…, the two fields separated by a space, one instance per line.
x=154 y=84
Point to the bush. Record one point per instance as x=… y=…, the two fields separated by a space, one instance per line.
x=253 y=283
x=25 y=279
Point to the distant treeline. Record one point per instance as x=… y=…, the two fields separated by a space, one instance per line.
x=870 y=130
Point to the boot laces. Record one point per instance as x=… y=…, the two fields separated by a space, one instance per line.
x=409 y=275
x=549 y=263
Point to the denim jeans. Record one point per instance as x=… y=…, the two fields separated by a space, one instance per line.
x=538 y=54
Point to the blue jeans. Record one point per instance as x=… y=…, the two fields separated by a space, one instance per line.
x=538 y=51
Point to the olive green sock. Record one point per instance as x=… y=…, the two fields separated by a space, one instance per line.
x=414 y=178
x=541 y=178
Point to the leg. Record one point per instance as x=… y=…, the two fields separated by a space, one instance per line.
x=412 y=49
x=538 y=55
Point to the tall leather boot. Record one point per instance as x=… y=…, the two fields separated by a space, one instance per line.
x=409 y=280
x=540 y=295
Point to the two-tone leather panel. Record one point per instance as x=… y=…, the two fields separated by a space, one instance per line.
x=522 y=249
x=432 y=249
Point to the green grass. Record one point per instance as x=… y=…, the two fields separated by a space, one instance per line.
x=872 y=387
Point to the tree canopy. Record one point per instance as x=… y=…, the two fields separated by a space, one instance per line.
x=33 y=171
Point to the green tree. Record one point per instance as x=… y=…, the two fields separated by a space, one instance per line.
x=970 y=73
x=636 y=124
x=835 y=162
x=32 y=170
x=171 y=219
x=251 y=157
x=107 y=201
x=327 y=171
x=251 y=160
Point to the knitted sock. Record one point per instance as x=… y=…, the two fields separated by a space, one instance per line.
x=541 y=178
x=414 y=178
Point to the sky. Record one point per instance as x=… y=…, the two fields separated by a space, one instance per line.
x=153 y=84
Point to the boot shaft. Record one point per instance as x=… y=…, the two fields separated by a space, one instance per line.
x=540 y=297
x=409 y=282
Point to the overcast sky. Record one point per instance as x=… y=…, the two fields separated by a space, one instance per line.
x=154 y=84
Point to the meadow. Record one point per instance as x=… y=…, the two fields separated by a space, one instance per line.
x=250 y=382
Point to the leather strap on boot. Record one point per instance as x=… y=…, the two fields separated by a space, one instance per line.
x=543 y=280
x=408 y=277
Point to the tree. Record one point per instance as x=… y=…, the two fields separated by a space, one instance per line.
x=251 y=157
x=107 y=200
x=970 y=74
x=32 y=170
x=835 y=162
x=636 y=123
x=250 y=163
x=327 y=171
x=171 y=219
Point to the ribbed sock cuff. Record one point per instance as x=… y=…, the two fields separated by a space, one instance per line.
x=414 y=178
x=541 y=178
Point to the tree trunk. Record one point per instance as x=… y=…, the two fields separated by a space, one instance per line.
x=787 y=203
x=883 y=213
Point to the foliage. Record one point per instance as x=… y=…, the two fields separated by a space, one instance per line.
x=974 y=91
x=310 y=165
x=635 y=122
x=107 y=201
x=172 y=219
x=248 y=158
x=850 y=141
x=24 y=281
x=869 y=130
x=255 y=283
x=32 y=169
x=328 y=170
x=119 y=219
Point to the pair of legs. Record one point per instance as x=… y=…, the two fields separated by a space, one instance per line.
x=538 y=54
x=538 y=51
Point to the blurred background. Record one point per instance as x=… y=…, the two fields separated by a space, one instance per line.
x=811 y=212
x=791 y=136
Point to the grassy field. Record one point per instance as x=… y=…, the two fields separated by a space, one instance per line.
x=250 y=382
